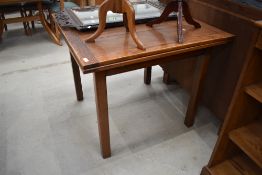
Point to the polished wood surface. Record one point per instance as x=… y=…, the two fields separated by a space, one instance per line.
x=105 y=58
x=159 y=42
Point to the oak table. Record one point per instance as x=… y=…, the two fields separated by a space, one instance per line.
x=115 y=52
x=40 y=16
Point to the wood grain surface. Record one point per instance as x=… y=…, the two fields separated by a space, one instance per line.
x=249 y=139
x=255 y=91
x=115 y=46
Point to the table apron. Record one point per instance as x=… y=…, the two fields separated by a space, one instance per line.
x=160 y=57
x=163 y=60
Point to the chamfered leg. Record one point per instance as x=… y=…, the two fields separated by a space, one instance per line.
x=102 y=113
x=198 y=81
x=77 y=79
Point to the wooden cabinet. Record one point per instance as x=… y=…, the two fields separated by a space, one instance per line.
x=239 y=146
x=226 y=62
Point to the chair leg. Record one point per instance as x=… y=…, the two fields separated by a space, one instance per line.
x=54 y=26
x=32 y=22
x=3 y=17
x=26 y=24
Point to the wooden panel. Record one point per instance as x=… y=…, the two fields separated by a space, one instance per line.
x=259 y=42
x=225 y=168
x=249 y=139
x=237 y=8
x=255 y=91
x=245 y=165
x=226 y=62
x=239 y=165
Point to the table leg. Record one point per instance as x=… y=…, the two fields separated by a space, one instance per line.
x=45 y=25
x=102 y=113
x=199 y=76
x=166 y=78
x=147 y=75
x=77 y=79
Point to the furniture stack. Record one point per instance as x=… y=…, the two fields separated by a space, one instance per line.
x=13 y=8
x=239 y=146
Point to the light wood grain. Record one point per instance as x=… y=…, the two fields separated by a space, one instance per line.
x=239 y=165
x=225 y=168
x=255 y=91
x=249 y=139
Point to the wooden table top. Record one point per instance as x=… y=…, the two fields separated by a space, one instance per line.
x=115 y=46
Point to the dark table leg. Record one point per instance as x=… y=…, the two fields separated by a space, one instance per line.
x=77 y=79
x=147 y=75
x=102 y=113
x=199 y=76
x=166 y=78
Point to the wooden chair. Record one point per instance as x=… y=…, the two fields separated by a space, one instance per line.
x=2 y=17
x=52 y=6
x=29 y=8
x=5 y=9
